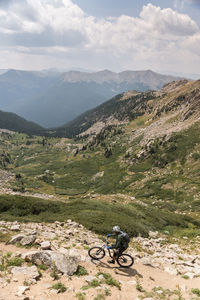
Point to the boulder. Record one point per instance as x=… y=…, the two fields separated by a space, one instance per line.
x=16 y=238
x=29 y=272
x=46 y=245
x=22 y=290
x=64 y=263
x=15 y=228
x=38 y=258
x=28 y=240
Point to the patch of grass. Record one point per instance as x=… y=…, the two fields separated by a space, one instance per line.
x=93 y=284
x=80 y=296
x=7 y=261
x=42 y=267
x=107 y=292
x=109 y=280
x=161 y=293
x=138 y=286
x=4 y=237
x=54 y=273
x=15 y=261
x=185 y=277
x=196 y=291
x=95 y=215
x=59 y=286
x=86 y=247
x=81 y=271
x=99 y=297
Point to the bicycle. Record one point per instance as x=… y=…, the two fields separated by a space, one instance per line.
x=97 y=253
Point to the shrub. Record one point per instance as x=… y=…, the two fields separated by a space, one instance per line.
x=80 y=296
x=81 y=271
x=59 y=286
x=196 y=291
x=109 y=280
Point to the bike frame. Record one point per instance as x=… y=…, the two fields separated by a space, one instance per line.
x=105 y=246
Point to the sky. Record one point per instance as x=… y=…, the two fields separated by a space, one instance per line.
x=118 y=35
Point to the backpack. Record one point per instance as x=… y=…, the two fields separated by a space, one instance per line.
x=126 y=237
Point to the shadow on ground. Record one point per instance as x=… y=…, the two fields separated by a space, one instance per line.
x=129 y=272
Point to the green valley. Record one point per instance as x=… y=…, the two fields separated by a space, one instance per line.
x=142 y=171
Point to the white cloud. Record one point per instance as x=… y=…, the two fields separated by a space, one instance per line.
x=168 y=21
x=60 y=29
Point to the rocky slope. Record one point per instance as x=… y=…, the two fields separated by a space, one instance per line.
x=178 y=101
x=50 y=261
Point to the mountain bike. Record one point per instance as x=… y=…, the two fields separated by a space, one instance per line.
x=97 y=253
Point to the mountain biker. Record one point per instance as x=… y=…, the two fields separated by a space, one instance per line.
x=121 y=243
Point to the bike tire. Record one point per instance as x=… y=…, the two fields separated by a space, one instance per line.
x=96 y=253
x=125 y=260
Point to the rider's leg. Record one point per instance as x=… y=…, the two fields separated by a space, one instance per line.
x=116 y=254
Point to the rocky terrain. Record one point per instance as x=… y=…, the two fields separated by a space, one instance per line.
x=50 y=261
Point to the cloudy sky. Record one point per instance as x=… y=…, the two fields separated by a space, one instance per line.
x=101 y=34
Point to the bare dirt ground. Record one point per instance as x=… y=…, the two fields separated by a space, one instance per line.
x=148 y=277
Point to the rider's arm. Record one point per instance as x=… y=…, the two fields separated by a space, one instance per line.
x=111 y=235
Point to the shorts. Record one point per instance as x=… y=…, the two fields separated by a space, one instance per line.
x=119 y=251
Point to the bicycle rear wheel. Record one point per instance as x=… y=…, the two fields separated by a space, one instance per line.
x=96 y=253
x=125 y=260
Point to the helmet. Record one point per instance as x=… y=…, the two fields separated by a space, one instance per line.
x=116 y=229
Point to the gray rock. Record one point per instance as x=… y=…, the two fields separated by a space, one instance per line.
x=38 y=258
x=49 y=235
x=66 y=264
x=153 y=234
x=15 y=228
x=27 y=240
x=22 y=290
x=16 y=238
x=29 y=272
x=54 y=291
x=171 y=270
x=90 y=278
x=46 y=245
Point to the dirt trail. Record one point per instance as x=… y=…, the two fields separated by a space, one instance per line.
x=147 y=276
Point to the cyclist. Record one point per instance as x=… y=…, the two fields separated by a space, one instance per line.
x=121 y=243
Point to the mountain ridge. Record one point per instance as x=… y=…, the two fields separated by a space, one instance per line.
x=127 y=106
x=52 y=99
x=13 y=122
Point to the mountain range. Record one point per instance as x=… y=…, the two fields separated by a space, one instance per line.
x=51 y=98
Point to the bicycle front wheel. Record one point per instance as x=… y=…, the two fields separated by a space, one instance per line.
x=125 y=260
x=96 y=253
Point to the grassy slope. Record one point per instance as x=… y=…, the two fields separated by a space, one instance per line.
x=95 y=215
